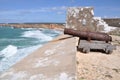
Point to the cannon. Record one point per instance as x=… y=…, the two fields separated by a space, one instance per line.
x=87 y=35
x=92 y=40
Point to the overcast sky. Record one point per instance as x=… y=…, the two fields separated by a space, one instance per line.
x=52 y=10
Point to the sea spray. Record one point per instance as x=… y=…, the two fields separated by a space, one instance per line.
x=6 y=62
x=9 y=51
x=16 y=43
x=36 y=34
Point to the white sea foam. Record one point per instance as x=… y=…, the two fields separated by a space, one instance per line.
x=11 y=59
x=11 y=54
x=9 y=51
x=58 y=32
x=27 y=28
x=36 y=34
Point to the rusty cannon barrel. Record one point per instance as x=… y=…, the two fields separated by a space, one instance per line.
x=87 y=35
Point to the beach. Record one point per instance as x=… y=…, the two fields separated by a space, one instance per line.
x=60 y=60
x=56 y=60
x=17 y=43
x=59 y=40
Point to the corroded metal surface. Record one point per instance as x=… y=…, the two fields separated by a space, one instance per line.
x=88 y=35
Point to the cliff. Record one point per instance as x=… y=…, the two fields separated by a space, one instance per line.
x=36 y=25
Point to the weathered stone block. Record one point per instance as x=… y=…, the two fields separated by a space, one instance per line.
x=80 y=18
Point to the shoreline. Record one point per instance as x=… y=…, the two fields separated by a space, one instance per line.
x=44 y=63
x=48 y=62
x=56 y=26
x=20 y=46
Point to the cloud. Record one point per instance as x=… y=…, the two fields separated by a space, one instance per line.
x=29 y=11
x=21 y=15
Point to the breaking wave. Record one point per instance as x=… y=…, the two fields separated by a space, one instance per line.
x=10 y=55
x=17 y=43
x=9 y=51
x=36 y=34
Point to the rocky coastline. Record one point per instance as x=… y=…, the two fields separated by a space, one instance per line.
x=57 y=26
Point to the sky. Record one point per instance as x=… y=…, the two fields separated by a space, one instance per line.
x=22 y=11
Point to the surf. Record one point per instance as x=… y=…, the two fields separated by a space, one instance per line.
x=17 y=43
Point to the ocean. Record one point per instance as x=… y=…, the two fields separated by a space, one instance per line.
x=17 y=43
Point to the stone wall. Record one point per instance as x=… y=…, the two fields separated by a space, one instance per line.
x=113 y=21
x=81 y=18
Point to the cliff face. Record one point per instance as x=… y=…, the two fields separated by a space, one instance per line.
x=42 y=25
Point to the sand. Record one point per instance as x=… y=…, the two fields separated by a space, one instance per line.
x=98 y=65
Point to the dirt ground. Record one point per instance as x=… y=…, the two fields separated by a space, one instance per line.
x=98 y=65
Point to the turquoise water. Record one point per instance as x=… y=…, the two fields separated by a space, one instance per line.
x=16 y=43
